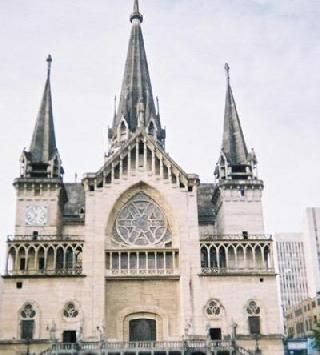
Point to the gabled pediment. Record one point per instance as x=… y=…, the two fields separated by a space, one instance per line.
x=141 y=154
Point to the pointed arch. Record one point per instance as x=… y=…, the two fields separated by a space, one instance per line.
x=156 y=199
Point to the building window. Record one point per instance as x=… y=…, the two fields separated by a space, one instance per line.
x=69 y=336
x=215 y=333
x=213 y=309
x=27 y=315
x=142 y=330
x=141 y=222
x=253 y=311
x=70 y=310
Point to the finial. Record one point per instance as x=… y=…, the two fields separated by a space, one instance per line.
x=115 y=106
x=158 y=108
x=49 y=61
x=136 y=12
x=227 y=69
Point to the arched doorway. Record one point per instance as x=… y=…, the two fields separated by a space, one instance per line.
x=142 y=330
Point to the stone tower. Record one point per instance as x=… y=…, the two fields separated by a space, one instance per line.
x=40 y=190
x=237 y=195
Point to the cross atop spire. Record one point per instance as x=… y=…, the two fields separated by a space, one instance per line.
x=227 y=69
x=49 y=61
x=136 y=12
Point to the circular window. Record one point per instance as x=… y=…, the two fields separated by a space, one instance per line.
x=70 y=310
x=141 y=222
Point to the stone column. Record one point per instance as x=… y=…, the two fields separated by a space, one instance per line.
x=137 y=154
x=153 y=161
x=161 y=167
x=129 y=161
x=145 y=155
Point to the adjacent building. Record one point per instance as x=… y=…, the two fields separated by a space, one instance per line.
x=292 y=268
x=311 y=234
x=303 y=317
x=140 y=257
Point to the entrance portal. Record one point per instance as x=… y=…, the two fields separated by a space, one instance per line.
x=142 y=330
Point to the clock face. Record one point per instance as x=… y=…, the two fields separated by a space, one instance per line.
x=36 y=215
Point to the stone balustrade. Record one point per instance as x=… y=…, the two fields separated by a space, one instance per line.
x=150 y=262
x=148 y=347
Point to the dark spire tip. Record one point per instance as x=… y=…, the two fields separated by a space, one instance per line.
x=227 y=69
x=136 y=12
x=49 y=61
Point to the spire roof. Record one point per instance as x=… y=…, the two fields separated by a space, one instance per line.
x=43 y=144
x=136 y=91
x=233 y=145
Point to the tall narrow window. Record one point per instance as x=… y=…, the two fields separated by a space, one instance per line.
x=253 y=311
x=27 y=322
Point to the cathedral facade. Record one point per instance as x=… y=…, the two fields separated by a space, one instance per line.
x=140 y=256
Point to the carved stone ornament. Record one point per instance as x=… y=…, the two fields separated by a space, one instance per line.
x=36 y=215
x=70 y=310
x=141 y=222
x=28 y=312
x=214 y=309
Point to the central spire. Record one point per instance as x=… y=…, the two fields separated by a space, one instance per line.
x=136 y=109
x=136 y=12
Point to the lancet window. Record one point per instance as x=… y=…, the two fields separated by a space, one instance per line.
x=27 y=321
x=36 y=258
x=231 y=256
x=253 y=312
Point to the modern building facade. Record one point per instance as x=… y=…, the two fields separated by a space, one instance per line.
x=140 y=257
x=292 y=268
x=312 y=248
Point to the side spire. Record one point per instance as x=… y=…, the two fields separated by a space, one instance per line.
x=233 y=145
x=136 y=107
x=43 y=157
x=234 y=152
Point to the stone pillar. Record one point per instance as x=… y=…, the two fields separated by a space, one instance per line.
x=121 y=167
x=153 y=161
x=145 y=155
x=129 y=160
x=137 y=154
x=161 y=167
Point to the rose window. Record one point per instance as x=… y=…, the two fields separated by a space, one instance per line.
x=70 y=310
x=253 y=309
x=28 y=312
x=141 y=222
x=214 y=308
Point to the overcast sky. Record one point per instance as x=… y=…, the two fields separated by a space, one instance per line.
x=272 y=47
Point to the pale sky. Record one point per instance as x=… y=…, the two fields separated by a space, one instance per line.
x=272 y=47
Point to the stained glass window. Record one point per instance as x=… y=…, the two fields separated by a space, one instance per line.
x=141 y=222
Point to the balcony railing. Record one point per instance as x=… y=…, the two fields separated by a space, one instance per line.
x=236 y=237
x=235 y=270
x=105 y=348
x=141 y=272
x=146 y=262
x=74 y=271
x=41 y=237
